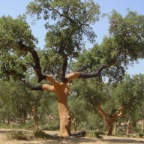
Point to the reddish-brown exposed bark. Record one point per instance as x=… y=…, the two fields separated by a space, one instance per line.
x=62 y=91
x=110 y=119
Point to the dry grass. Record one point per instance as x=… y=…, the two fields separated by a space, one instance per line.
x=105 y=140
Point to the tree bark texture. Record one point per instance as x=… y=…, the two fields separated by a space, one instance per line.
x=110 y=127
x=62 y=91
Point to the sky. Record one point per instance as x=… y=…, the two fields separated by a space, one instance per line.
x=17 y=7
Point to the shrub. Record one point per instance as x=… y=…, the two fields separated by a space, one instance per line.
x=41 y=134
x=141 y=134
x=19 y=135
x=94 y=134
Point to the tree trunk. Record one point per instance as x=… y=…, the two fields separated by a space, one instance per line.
x=142 y=125
x=65 y=119
x=61 y=89
x=115 y=128
x=8 y=120
x=62 y=92
x=109 y=126
x=35 y=117
x=128 y=127
x=24 y=117
x=64 y=113
x=134 y=125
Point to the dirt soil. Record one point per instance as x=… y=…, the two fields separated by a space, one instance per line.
x=85 y=140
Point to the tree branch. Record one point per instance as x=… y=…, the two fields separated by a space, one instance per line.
x=34 y=54
x=48 y=87
x=93 y=74
x=101 y=111
x=118 y=113
x=64 y=67
x=72 y=76
x=30 y=86
x=51 y=79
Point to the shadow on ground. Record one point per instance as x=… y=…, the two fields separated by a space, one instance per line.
x=53 y=138
x=123 y=140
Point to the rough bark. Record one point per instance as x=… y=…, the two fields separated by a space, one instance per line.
x=62 y=91
x=65 y=119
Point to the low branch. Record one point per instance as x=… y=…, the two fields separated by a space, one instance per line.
x=101 y=111
x=48 y=87
x=72 y=76
x=30 y=86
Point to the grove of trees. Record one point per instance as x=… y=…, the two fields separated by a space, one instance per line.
x=95 y=76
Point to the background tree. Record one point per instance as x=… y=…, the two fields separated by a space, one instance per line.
x=130 y=93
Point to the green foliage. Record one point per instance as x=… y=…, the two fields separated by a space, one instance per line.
x=51 y=62
x=71 y=19
x=67 y=24
x=29 y=125
x=92 y=90
x=128 y=33
x=16 y=100
x=141 y=134
x=41 y=134
x=94 y=134
x=12 y=31
x=53 y=125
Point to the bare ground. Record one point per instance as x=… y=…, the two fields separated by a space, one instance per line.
x=86 y=140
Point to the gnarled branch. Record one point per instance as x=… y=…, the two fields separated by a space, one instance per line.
x=101 y=111
x=30 y=86
x=92 y=74
x=34 y=54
